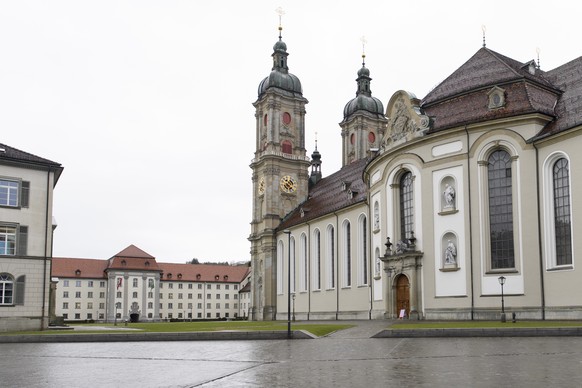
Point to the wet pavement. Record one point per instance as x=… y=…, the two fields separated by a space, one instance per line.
x=347 y=358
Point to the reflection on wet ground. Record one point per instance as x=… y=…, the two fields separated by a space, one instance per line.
x=341 y=360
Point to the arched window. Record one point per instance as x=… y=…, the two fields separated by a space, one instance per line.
x=286 y=147
x=280 y=267
x=6 y=288
x=363 y=250
x=303 y=267
x=330 y=257
x=562 y=227
x=347 y=255
x=316 y=276
x=293 y=263
x=500 y=210
x=406 y=206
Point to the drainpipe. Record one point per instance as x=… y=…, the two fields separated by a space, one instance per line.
x=542 y=285
x=470 y=227
x=46 y=248
x=336 y=257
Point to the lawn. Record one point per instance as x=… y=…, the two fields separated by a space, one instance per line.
x=483 y=324
x=173 y=327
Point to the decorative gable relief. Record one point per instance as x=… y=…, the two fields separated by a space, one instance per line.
x=406 y=120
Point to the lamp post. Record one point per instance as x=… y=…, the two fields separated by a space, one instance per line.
x=502 y=282
x=288 y=233
x=116 y=307
x=293 y=307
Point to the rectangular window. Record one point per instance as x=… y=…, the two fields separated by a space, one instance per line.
x=189 y=296
x=189 y=286
x=217 y=296
x=227 y=305
x=102 y=295
x=199 y=305
x=65 y=294
x=218 y=305
x=218 y=286
x=65 y=305
x=180 y=306
x=90 y=283
x=236 y=286
x=161 y=296
x=170 y=305
x=209 y=286
x=77 y=305
x=170 y=296
x=179 y=315
x=208 y=315
x=217 y=315
x=7 y=240
x=135 y=294
x=101 y=305
x=199 y=286
x=235 y=296
x=226 y=287
x=65 y=316
x=78 y=283
x=90 y=305
x=77 y=294
x=180 y=286
x=102 y=284
x=89 y=315
x=8 y=193
x=227 y=296
x=180 y=295
x=89 y=294
x=236 y=305
x=189 y=305
x=119 y=294
x=150 y=295
x=170 y=285
x=208 y=305
x=199 y=296
x=208 y=296
x=65 y=283
x=135 y=282
x=199 y=315
x=77 y=316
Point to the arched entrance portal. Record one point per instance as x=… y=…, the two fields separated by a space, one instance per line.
x=402 y=296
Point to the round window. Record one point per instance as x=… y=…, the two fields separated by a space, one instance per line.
x=286 y=118
x=371 y=137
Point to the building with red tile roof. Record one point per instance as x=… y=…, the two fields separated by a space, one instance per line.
x=133 y=285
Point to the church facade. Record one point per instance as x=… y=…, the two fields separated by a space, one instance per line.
x=459 y=205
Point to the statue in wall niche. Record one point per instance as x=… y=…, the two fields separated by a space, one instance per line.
x=376 y=218
x=451 y=253
x=449 y=196
x=378 y=266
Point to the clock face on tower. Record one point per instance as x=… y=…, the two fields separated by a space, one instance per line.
x=262 y=185
x=288 y=184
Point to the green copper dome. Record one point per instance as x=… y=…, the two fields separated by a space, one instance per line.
x=280 y=77
x=364 y=100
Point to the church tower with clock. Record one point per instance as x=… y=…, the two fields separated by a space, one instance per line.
x=280 y=173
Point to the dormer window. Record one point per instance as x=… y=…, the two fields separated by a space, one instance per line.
x=346 y=185
x=496 y=98
x=123 y=263
x=352 y=193
x=78 y=272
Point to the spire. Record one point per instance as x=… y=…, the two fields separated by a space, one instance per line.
x=364 y=74
x=315 y=165
x=280 y=48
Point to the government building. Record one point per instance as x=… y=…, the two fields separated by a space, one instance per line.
x=443 y=205
x=133 y=286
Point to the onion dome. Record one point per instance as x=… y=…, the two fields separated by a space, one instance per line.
x=364 y=100
x=280 y=77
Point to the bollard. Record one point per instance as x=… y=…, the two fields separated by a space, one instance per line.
x=513 y=315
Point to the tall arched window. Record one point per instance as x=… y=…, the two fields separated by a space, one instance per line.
x=316 y=275
x=562 y=227
x=280 y=267
x=500 y=210
x=303 y=268
x=330 y=257
x=347 y=255
x=293 y=264
x=6 y=288
x=406 y=206
x=363 y=250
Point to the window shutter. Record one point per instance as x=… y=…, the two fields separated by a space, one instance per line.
x=19 y=294
x=24 y=193
x=22 y=240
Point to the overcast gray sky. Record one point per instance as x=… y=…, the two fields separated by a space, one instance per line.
x=147 y=104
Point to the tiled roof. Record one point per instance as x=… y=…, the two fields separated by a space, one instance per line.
x=133 y=251
x=328 y=194
x=90 y=268
x=484 y=68
x=132 y=263
x=462 y=98
x=14 y=155
x=246 y=288
x=204 y=272
x=568 y=78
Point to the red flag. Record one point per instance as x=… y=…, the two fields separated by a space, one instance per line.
x=119 y=282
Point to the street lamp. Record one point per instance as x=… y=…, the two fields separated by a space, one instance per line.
x=293 y=307
x=502 y=282
x=117 y=305
x=288 y=233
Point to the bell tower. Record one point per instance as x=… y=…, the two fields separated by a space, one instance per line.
x=280 y=174
x=364 y=122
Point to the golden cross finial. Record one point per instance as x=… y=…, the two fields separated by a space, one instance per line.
x=280 y=12
x=484 y=29
x=364 y=41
